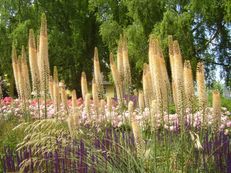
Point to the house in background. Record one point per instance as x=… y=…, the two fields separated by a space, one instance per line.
x=109 y=89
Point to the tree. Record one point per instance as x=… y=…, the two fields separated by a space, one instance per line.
x=72 y=30
x=202 y=28
x=75 y=27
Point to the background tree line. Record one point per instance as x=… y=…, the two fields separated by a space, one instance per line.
x=75 y=27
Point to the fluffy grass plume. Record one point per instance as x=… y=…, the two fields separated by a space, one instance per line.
x=84 y=87
x=155 y=70
x=74 y=101
x=56 y=95
x=25 y=74
x=217 y=107
x=33 y=60
x=95 y=96
x=200 y=76
x=97 y=74
x=51 y=88
x=188 y=84
x=147 y=85
x=178 y=78
x=164 y=76
x=120 y=65
x=63 y=95
x=21 y=82
x=141 y=100
x=87 y=104
x=1 y=93
x=15 y=69
x=43 y=62
x=102 y=107
x=116 y=79
x=140 y=145
x=126 y=66
x=172 y=66
x=153 y=112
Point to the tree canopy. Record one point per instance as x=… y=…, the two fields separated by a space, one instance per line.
x=75 y=27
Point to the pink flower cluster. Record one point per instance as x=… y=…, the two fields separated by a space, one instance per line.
x=36 y=108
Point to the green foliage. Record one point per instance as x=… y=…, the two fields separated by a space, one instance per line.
x=172 y=109
x=110 y=34
x=7 y=136
x=217 y=86
x=39 y=132
x=225 y=102
x=196 y=24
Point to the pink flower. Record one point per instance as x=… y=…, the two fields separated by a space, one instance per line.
x=7 y=100
x=228 y=124
x=34 y=103
x=79 y=102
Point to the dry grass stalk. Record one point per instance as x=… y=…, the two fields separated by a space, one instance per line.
x=217 y=107
x=56 y=75
x=172 y=65
x=153 y=113
x=164 y=70
x=130 y=110
x=56 y=94
x=43 y=62
x=149 y=79
x=51 y=89
x=165 y=84
x=147 y=85
x=33 y=60
x=63 y=95
x=202 y=96
x=15 y=67
x=130 y=107
x=84 y=87
x=141 y=100
x=74 y=102
x=102 y=107
x=1 y=93
x=97 y=74
x=21 y=81
x=171 y=55
x=178 y=78
x=174 y=92
x=126 y=67
x=87 y=103
x=138 y=137
x=73 y=123
x=155 y=72
x=120 y=65
x=76 y=120
x=25 y=75
x=116 y=79
x=70 y=125
x=188 y=84
x=95 y=96
x=38 y=42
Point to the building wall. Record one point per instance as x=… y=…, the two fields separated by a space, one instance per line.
x=110 y=91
